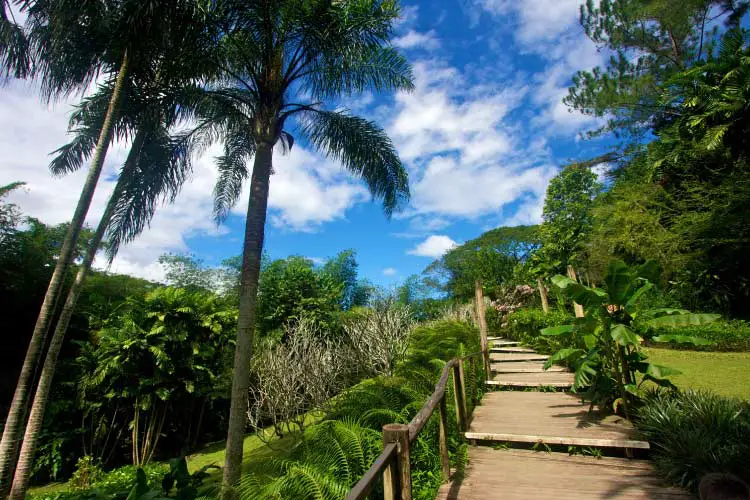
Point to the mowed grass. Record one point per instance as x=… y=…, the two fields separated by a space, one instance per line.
x=727 y=373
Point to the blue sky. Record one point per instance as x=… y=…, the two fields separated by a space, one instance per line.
x=481 y=136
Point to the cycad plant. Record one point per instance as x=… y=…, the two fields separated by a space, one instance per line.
x=605 y=350
x=283 y=62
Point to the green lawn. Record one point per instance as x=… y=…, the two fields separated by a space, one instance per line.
x=727 y=373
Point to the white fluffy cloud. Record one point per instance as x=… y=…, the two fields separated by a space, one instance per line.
x=306 y=190
x=416 y=40
x=550 y=30
x=434 y=246
x=463 y=149
x=390 y=271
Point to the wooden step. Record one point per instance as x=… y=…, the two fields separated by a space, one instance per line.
x=525 y=474
x=555 y=418
x=539 y=379
x=513 y=349
x=525 y=367
x=503 y=343
x=506 y=357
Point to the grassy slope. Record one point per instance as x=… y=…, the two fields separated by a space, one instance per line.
x=727 y=373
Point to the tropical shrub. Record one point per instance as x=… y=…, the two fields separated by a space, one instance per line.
x=114 y=485
x=696 y=433
x=606 y=354
x=732 y=335
x=525 y=325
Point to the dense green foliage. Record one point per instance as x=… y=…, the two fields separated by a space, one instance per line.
x=694 y=433
x=605 y=352
x=491 y=258
x=567 y=217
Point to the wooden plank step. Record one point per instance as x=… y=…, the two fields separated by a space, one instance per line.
x=525 y=367
x=539 y=379
x=505 y=357
x=513 y=349
x=549 y=417
x=561 y=440
x=503 y=343
x=523 y=474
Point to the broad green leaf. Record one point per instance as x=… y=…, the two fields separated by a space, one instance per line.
x=557 y=330
x=624 y=335
x=562 y=282
x=583 y=374
x=663 y=311
x=677 y=320
x=637 y=295
x=663 y=382
x=682 y=339
x=589 y=341
x=562 y=355
x=650 y=270
x=619 y=282
x=660 y=372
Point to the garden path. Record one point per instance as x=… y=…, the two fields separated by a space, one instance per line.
x=548 y=424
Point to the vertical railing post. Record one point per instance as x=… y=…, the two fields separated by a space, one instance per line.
x=397 y=476
x=460 y=395
x=444 y=457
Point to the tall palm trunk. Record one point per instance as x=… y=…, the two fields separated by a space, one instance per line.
x=13 y=425
x=251 y=255
x=36 y=417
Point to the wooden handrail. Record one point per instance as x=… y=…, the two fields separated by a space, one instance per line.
x=393 y=462
x=364 y=485
x=420 y=419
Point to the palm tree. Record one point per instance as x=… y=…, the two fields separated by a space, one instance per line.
x=71 y=43
x=156 y=167
x=282 y=59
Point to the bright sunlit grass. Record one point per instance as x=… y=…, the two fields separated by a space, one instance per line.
x=727 y=373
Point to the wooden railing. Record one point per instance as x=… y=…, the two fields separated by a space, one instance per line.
x=393 y=462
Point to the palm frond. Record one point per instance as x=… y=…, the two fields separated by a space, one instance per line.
x=232 y=165
x=14 y=46
x=155 y=170
x=364 y=149
x=374 y=68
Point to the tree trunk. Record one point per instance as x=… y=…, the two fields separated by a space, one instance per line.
x=14 y=423
x=36 y=417
x=543 y=295
x=251 y=256
x=479 y=296
x=578 y=308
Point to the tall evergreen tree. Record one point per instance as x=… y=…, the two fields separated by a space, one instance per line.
x=649 y=42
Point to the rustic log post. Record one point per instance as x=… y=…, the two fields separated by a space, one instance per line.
x=460 y=395
x=481 y=318
x=444 y=457
x=578 y=308
x=543 y=295
x=397 y=476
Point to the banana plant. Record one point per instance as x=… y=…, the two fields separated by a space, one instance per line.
x=605 y=350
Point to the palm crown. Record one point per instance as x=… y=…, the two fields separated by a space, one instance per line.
x=282 y=60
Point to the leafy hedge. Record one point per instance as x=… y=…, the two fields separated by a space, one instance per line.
x=696 y=433
x=733 y=335
x=525 y=326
